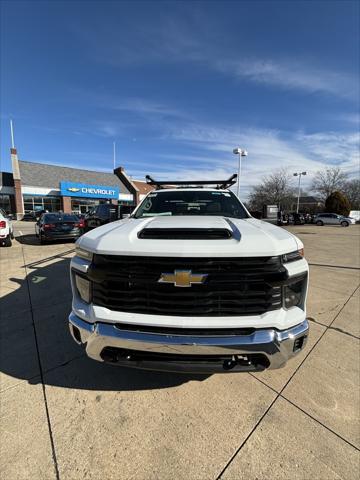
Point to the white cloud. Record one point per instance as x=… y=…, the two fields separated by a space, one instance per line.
x=108 y=129
x=142 y=106
x=268 y=150
x=290 y=75
x=198 y=150
x=189 y=40
x=333 y=148
x=350 y=118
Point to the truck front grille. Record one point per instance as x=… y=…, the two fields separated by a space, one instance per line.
x=233 y=286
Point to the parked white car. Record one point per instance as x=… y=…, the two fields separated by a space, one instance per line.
x=333 y=219
x=190 y=282
x=355 y=214
x=6 y=229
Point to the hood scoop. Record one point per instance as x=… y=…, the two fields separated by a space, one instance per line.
x=185 y=233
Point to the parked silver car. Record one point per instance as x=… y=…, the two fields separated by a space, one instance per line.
x=333 y=219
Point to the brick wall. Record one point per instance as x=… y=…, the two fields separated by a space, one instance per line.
x=19 y=204
x=66 y=204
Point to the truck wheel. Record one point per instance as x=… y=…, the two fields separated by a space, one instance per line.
x=8 y=241
x=319 y=223
x=344 y=224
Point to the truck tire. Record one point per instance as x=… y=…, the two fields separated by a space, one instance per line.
x=319 y=223
x=8 y=241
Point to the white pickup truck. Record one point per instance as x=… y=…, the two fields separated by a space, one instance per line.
x=190 y=282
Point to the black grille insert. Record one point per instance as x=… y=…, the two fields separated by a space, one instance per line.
x=233 y=286
x=209 y=332
x=185 y=233
x=169 y=361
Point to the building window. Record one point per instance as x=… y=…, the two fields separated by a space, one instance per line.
x=36 y=203
x=5 y=203
x=83 y=205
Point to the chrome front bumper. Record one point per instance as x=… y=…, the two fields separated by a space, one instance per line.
x=264 y=348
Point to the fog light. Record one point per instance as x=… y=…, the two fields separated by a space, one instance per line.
x=298 y=344
x=293 y=294
x=76 y=333
x=83 y=287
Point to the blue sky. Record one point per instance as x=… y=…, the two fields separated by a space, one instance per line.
x=178 y=85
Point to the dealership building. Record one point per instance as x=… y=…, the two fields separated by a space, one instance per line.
x=38 y=186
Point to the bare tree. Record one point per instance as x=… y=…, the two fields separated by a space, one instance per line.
x=275 y=189
x=328 y=181
x=352 y=192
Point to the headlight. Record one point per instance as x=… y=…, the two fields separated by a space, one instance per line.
x=293 y=256
x=83 y=287
x=80 y=252
x=294 y=293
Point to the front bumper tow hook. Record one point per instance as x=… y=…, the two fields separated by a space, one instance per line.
x=235 y=360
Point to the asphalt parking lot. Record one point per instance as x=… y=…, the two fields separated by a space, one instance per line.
x=66 y=416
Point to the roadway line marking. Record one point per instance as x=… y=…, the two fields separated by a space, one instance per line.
x=333 y=266
x=279 y=394
x=36 y=338
x=20 y=232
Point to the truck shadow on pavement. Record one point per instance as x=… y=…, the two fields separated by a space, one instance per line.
x=31 y=239
x=36 y=344
x=28 y=239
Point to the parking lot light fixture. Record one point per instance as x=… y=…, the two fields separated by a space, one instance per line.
x=242 y=153
x=298 y=174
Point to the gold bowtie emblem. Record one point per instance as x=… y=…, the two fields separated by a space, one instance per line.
x=182 y=278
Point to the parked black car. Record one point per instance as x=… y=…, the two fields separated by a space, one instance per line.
x=58 y=226
x=29 y=216
x=298 y=218
x=282 y=219
x=101 y=214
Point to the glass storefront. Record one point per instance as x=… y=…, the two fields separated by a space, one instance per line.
x=5 y=203
x=83 y=205
x=34 y=203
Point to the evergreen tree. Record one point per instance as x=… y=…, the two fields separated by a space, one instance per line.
x=336 y=202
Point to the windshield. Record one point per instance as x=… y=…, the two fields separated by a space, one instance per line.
x=191 y=202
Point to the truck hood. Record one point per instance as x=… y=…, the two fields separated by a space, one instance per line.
x=249 y=237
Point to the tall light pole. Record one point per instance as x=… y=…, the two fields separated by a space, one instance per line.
x=114 y=155
x=12 y=134
x=298 y=174
x=241 y=153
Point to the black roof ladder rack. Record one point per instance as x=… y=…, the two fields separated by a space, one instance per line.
x=220 y=184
